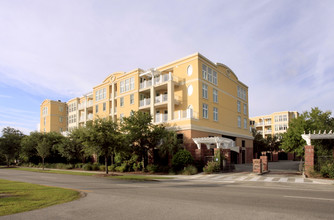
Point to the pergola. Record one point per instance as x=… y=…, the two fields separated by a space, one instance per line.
x=220 y=142
x=308 y=137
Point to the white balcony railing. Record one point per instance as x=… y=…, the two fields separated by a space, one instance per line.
x=82 y=118
x=161 y=98
x=161 y=117
x=144 y=102
x=89 y=103
x=259 y=124
x=81 y=105
x=90 y=116
x=145 y=84
x=185 y=114
x=268 y=131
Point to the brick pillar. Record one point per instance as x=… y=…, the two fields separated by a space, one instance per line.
x=309 y=159
x=257 y=166
x=198 y=154
x=291 y=156
x=275 y=156
x=264 y=161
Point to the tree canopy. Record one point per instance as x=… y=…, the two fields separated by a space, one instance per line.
x=10 y=143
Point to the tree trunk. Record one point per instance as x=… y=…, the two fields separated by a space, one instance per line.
x=43 y=162
x=106 y=163
x=7 y=159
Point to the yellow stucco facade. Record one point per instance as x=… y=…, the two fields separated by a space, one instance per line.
x=53 y=116
x=192 y=95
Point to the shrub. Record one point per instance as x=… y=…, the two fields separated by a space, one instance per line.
x=112 y=167
x=212 y=167
x=327 y=170
x=137 y=166
x=152 y=168
x=95 y=166
x=87 y=166
x=189 y=170
x=123 y=168
x=78 y=165
x=181 y=159
x=102 y=168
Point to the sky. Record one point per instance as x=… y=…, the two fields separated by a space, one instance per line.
x=282 y=50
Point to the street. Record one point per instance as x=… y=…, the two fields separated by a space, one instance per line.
x=180 y=198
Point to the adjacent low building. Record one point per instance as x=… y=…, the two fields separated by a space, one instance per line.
x=196 y=97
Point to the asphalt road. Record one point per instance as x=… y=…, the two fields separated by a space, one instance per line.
x=179 y=199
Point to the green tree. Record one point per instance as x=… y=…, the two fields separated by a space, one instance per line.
x=272 y=143
x=170 y=144
x=102 y=137
x=72 y=147
x=141 y=133
x=314 y=120
x=10 y=143
x=181 y=159
x=259 y=143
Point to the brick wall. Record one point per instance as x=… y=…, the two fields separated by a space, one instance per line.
x=309 y=159
x=257 y=166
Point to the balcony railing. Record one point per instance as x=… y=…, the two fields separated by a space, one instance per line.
x=89 y=103
x=185 y=114
x=161 y=117
x=145 y=84
x=144 y=102
x=81 y=105
x=90 y=116
x=82 y=118
x=161 y=98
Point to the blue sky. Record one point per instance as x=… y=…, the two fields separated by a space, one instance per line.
x=283 y=50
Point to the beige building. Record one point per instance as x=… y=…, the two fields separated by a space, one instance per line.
x=193 y=95
x=273 y=124
x=53 y=116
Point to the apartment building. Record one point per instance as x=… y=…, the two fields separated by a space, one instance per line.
x=203 y=101
x=53 y=116
x=273 y=124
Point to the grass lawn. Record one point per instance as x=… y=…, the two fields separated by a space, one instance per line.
x=118 y=176
x=18 y=197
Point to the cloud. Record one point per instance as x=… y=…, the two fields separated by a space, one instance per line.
x=282 y=50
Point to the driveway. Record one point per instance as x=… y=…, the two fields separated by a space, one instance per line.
x=282 y=166
x=175 y=199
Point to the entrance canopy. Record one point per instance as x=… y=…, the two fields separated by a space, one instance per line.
x=319 y=135
x=219 y=142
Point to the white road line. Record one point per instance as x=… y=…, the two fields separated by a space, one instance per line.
x=229 y=178
x=241 y=178
x=223 y=181
x=255 y=178
x=268 y=179
x=299 y=180
x=217 y=177
x=301 y=197
x=283 y=180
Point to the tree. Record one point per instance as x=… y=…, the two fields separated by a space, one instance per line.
x=170 y=144
x=259 y=143
x=102 y=137
x=314 y=120
x=28 y=146
x=141 y=133
x=10 y=143
x=72 y=147
x=272 y=144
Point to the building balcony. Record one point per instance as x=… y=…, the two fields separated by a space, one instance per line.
x=81 y=105
x=90 y=116
x=161 y=98
x=114 y=112
x=161 y=118
x=145 y=84
x=82 y=118
x=268 y=132
x=90 y=103
x=144 y=102
x=185 y=114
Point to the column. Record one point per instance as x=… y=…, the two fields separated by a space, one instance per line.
x=170 y=92
x=113 y=101
x=152 y=97
x=309 y=159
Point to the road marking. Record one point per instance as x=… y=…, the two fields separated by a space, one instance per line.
x=255 y=178
x=268 y=179
x=299 y=180
x=301 y=197
x=225 y=181
x=283 y=180
x=217 y=177
x=241 y=178
x=229 y=178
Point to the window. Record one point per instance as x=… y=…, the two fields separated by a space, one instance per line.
x=241 y=93
x=127 y=85
x=239 y=122
x=44 y=121
x=205 y=111
x=209 y=74
x=215 y=114
x=239 y=106
x=205 y=91
x=245 y=109
x=121 y=116
x=45 y=110
x=121 y=85
x=132 y=99
x=61 y=108
x=204 y=72
x=285 y=118
x=245 y=123
x=100 y=94
x=121 y=100
x=60 y=119
x=214 y=78
x=104 y=106
x=132 y=83
x=215 y=95
x=96 y=108
x=61 y=129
